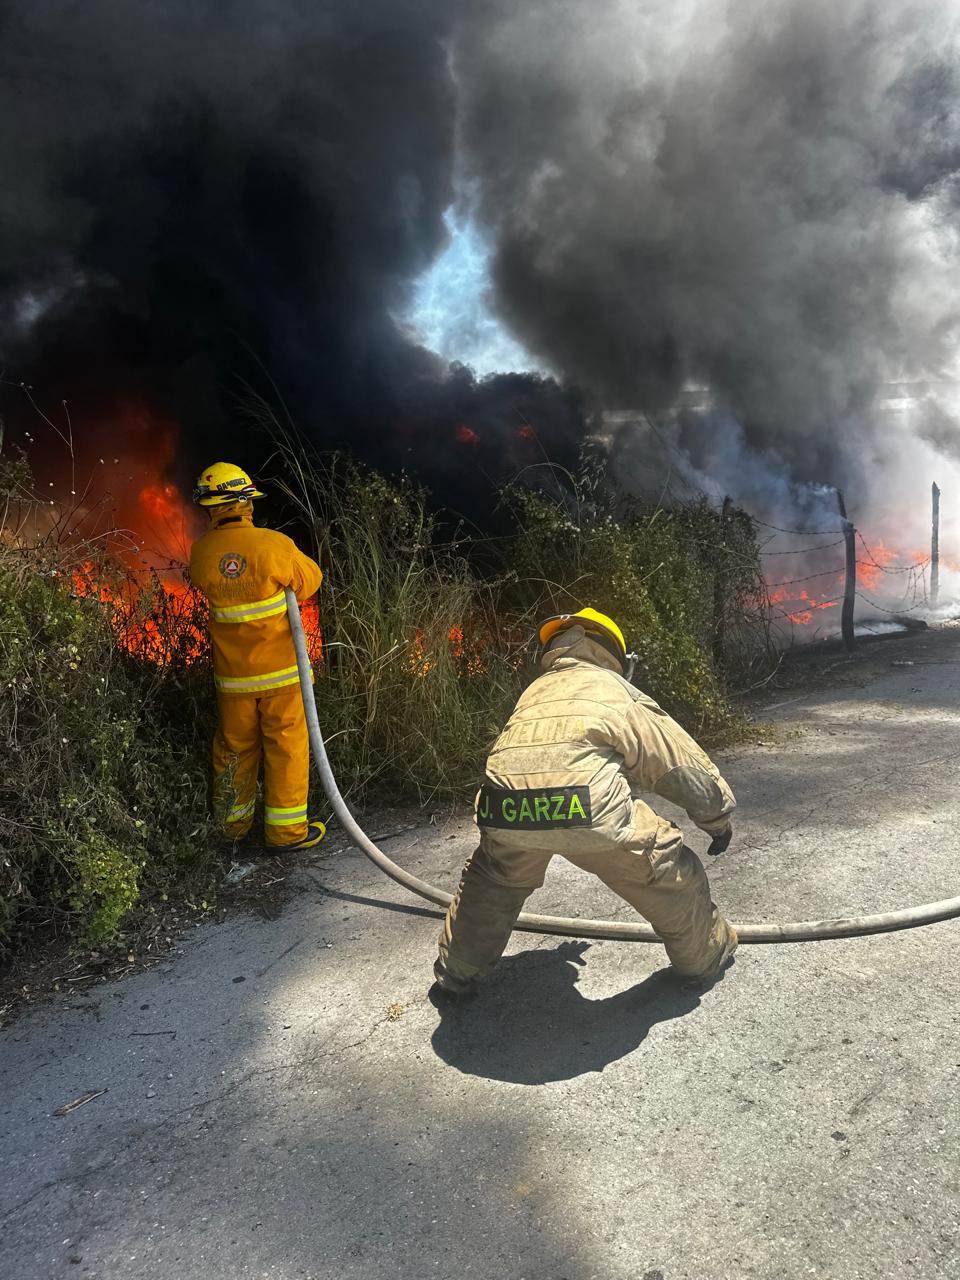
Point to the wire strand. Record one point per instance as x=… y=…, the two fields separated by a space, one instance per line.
x=883 y=568
x=828 y=573
x=804 y=551
x=799 y=533
x=873 y=605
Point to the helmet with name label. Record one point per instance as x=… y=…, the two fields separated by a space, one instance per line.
x=224 y=482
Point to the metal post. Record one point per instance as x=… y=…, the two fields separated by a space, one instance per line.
x=850 y=576
x=721 y=577
x=935 y=548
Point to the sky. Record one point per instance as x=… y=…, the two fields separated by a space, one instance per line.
x=451 y=309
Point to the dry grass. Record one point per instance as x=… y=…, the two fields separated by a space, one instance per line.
x=417 y=672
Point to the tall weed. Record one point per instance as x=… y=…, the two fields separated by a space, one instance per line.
x=416 y=673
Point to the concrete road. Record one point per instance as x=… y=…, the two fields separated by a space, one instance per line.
x=283 y=1101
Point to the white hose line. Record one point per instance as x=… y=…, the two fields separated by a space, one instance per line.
x=571 y=927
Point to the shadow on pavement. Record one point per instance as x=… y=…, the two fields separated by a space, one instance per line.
x=530 y=1024
x=400 y=908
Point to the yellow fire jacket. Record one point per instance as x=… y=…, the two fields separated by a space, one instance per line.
x=580 y=750
x=243 y=571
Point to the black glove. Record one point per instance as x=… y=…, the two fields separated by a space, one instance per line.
x=720 y=842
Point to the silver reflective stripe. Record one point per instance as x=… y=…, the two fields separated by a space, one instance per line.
x=251 y=684
x=285 y=817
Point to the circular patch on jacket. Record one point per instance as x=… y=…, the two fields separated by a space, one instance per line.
x=232 y=565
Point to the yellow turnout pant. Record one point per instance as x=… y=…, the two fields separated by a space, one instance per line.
x=272 y=727
x=669 y=889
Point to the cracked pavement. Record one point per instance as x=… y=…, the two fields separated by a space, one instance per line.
x=282 y=1101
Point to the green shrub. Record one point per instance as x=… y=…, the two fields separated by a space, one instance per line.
x=105 y=879
x=103 y=789
x=684 y=584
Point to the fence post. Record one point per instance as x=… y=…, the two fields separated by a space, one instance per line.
x=850 y=576
x=935 y=547
x=721 y=579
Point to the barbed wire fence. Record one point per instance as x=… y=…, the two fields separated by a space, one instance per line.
x=919 y=590
x=916 y=594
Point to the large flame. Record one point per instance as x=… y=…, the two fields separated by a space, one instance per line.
x=119 y=492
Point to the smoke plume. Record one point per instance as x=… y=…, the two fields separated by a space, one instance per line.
x=201 y=193
x=754 y=199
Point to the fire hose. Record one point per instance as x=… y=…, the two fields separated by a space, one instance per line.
x=573 y=927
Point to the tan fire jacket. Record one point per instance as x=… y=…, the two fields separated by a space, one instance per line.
x=581 y=725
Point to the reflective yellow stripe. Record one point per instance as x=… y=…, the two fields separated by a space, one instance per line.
x=250 y=684
x=240 y=811
x=253 y=610
x=285 y=817
x=231 y=609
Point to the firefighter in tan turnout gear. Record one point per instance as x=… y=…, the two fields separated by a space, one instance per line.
x=243 y=571
x=565 y=777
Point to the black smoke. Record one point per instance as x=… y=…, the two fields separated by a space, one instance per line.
x=759 y=198
x=199 y=195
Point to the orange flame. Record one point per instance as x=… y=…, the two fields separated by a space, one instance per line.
x=469 y=655
x=873 y=574
x=800 y=617
x=870 y=567
x=310 y=617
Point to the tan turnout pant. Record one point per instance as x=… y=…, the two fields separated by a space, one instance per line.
x=670 y=890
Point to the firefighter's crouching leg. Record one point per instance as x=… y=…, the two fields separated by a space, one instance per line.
x=236 y=763
x=286 y=766
x=479 y=921
x=672 y=892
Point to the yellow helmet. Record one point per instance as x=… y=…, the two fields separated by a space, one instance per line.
x=222 y=483
x=592 y=621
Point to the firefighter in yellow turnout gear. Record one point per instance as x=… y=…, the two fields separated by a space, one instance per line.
x=243 y=571
x=566 y=777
